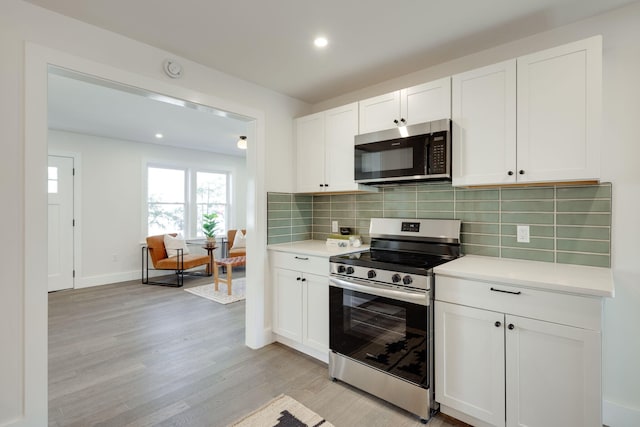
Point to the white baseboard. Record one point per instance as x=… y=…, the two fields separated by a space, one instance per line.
x=615 y=415
x=106 y=279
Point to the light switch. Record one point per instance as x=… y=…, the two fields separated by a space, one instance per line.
x=334 y=226
x=523 y=233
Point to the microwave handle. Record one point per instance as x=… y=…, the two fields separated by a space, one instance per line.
x=421 y=298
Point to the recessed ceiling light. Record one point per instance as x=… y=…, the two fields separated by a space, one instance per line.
x=159 y=135
x=321 y=42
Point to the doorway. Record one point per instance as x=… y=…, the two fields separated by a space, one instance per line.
x=37 y=60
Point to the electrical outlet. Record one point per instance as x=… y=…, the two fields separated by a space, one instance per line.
x=334 y=227
x=523 y=233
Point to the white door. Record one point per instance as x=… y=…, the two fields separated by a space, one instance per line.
x=553 y=375
x=559 y=99
x=341 y=127
x=483 y=106
x=427 y=102
x=310 y=153
x=469 y=361
x=379 y=112
x=60 y=223
x=288 y=303
x=316 y=321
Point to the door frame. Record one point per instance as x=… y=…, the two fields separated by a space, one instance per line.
x=77 y=199
x=35 y=308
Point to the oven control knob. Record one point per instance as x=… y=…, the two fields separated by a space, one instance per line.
x=350 y=270
x=407 y=280
x=371 y=274
x=341 y=268
x=395 y=278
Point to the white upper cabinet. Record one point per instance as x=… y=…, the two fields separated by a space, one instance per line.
x=341 y=127
x=417 y=104
x=325 y=150
x=559 y=109
x=310 y=152
x=426 y=102
x=553 y=98
x=380 y=112
x=484 y=125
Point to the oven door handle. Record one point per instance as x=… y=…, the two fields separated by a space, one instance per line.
x=421 y=298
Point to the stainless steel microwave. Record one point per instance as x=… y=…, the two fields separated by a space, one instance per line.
x=420 y=152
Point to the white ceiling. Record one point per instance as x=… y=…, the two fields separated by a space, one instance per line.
x=86 y=105
x=370 y=41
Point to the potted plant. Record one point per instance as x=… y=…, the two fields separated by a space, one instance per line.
x=209 y=225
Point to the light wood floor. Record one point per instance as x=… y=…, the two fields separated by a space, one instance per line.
x=137 y=355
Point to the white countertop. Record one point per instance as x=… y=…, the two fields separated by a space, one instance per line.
x=315 y=247
x=575 y=279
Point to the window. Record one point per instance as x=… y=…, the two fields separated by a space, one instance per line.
x=166 y=200
x=211 y=196
x=177 y=199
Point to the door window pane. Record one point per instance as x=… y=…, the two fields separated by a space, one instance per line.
x=52 y=184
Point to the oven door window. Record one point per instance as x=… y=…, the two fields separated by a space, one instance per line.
x=383 y=333
x=394 y=158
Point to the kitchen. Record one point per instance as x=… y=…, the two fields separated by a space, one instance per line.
x=406 y=159
x=620 y=108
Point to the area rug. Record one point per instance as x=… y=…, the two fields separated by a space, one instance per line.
x=220 y=296
x=283 y=411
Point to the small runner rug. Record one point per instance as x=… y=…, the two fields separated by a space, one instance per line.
x=220 y=296
x=283 y=411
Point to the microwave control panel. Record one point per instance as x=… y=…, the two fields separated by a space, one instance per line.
x=438 y=154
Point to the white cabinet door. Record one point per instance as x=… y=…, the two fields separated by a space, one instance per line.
x=559 y=102
x=316 y=318
x=341 y=126
x=484 y=125
x=469 y=361
x=287 y=317
x=379 y=112
x=426 y=102
x=310 y=153
x=553 y=374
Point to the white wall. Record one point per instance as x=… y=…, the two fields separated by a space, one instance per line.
x=111 y=175
x=620 y=165
x=23 y=351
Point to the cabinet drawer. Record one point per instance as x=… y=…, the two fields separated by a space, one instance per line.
x=300 y=262
x=573 y=310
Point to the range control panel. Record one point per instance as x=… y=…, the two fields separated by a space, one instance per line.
x=413 y=227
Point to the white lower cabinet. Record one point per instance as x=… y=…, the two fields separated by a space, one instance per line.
x=469 y=361
x=301 y=303
x=553 y=374
x=495 y=368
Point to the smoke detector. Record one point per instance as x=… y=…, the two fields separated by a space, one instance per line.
x=173 y=69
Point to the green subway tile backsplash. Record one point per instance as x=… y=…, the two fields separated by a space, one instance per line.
x=568 y=224
x=527 y=193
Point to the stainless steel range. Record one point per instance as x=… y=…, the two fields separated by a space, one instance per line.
x=381 y=323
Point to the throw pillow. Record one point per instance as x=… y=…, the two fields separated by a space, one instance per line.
x=240 y=241
x=172 y=244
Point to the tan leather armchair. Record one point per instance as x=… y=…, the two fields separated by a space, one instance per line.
x=156 y=251
x=231 y=251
